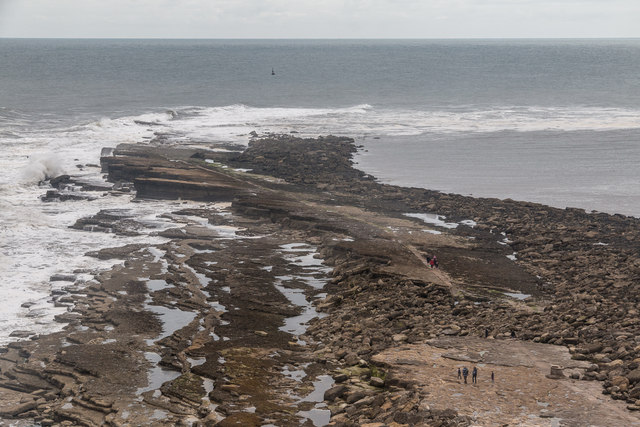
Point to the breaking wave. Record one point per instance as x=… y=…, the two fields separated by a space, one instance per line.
x=42 y=167
x=233 y=122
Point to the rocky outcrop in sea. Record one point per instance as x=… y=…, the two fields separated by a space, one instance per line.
x=273 y=301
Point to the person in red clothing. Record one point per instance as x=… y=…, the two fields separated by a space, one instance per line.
x=433 y=261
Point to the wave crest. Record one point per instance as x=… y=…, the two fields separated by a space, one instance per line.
x=42 y=167
x=230 y=121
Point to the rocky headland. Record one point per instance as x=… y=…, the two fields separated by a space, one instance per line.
x=299 y=293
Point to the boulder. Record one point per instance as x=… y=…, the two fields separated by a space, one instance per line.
x=63 y=196
x=364 y=402
x=351 y=359
x=634 y=376
x=356 y=396
x=593 y=348
x=376 y=382
x=60 y=181
x=616 y=364
x=399 y=338
x=21 y=334
x=340 y=378
x=635 y=393
x=335 y=392
x=451 y=330
x=62 y=278
x=621 y=382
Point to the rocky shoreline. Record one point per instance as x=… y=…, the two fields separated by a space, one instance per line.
x=272 y=303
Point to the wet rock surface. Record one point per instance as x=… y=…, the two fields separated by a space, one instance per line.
x=276 y=306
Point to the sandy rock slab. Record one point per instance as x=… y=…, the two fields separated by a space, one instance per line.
x=521 y=394
x=13 y=403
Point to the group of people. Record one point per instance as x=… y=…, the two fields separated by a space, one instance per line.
x=464 y=373
x=433 y=261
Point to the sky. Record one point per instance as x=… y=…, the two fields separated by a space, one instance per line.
x=320 y=18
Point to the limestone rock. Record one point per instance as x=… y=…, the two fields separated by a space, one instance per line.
x=340 y=378
x=634 y=376
x=616 y=364
x=356 y=396
x=621 y=382
x=635 y=393
x=21 y=334
x=335 y=392
x=376 y=382
x=451 y=330
x=63 y=278
x=399 y=338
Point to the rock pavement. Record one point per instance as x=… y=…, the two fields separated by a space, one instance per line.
x=276 y=306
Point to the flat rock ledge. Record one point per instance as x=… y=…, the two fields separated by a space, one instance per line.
x=307 y=224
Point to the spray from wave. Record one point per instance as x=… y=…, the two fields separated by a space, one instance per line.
x=41 y=167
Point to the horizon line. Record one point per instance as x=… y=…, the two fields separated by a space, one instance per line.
x=323 y=38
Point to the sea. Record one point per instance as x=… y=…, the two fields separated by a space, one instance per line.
x=549 y=121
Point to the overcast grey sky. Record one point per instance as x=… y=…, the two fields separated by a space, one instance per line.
x=320 y=18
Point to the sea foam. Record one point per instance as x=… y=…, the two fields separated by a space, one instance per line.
x=234 y=122
x=41 y=167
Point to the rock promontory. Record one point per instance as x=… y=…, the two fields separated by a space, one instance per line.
x=298 y=291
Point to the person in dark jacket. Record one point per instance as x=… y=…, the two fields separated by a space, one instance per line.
x=465 y=374
x=474 y=375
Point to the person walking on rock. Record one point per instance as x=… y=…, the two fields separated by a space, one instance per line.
x=459 y=374
x=465 y=374
x=474 y=375
x=492 y=376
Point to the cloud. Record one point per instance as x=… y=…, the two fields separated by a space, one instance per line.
x=319 y=18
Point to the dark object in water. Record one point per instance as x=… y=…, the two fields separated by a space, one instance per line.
x=273 y=72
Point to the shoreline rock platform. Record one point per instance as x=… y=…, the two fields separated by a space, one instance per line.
x=299 y=293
